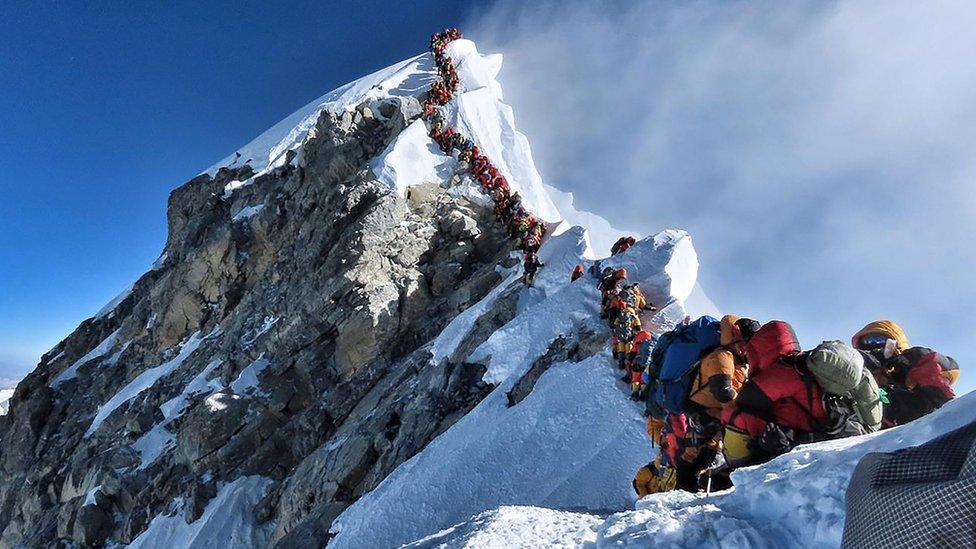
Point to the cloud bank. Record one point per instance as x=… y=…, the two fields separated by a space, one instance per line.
x=823 y=155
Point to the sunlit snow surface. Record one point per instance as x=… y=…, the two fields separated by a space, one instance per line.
x=5 y=395
x=796 y=500
x=411 y=77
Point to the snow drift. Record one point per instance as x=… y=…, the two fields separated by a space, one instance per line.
x=796 y=500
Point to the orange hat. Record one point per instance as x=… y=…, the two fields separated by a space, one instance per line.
x=886 y=328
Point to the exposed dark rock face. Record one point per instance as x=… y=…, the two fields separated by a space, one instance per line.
x=283 y=333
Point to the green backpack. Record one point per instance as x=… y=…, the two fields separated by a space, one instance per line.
x=839 y=370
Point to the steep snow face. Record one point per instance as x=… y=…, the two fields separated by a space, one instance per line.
x=796 y=500
x=407 y=78
x=571 y=443
x=479 y=112
x=412 y=159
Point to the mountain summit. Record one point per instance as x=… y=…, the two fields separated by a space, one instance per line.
x=332 y=298
x=335 y=346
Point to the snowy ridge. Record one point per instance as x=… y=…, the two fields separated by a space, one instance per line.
x=479 y=112
x=796 y=500
x=267 y=151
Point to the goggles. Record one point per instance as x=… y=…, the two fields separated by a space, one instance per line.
x=872 y=342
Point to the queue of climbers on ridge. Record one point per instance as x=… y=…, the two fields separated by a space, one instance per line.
x=524 y=228
x=723 y=394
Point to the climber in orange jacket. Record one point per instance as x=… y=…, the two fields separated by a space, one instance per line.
x=724 y=370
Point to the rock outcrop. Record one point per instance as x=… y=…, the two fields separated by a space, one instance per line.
x=283 y=334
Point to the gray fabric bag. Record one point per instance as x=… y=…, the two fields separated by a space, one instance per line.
x=924 y=496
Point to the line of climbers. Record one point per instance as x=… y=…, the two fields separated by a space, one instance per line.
x=622 y=304
x=521 y=226
x=727 y=393
x=723 y=394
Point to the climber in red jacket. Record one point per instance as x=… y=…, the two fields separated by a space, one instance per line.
x=578 y=272
x=622 y=245
x=779 y=406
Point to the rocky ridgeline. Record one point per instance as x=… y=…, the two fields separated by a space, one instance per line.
x=283 y=333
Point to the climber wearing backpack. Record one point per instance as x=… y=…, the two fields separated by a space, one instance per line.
x=625 y=327
x=607 y=285
x=693 y=370
x=779 y=406
x=916 y=380
x=632 y=295
x=532 y=266
x=622 y=245
x=723 y=371
x=640 y=356
x=610 y=286
x=675 y=359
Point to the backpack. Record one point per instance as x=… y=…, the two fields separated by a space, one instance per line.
x=628 y=296
x=681 y=357
x=850 y=391
x=644 y=351
x=623 y=325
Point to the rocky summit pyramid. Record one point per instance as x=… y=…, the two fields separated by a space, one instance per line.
x=334 y=303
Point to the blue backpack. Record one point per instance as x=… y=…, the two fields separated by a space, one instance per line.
x=685 y=348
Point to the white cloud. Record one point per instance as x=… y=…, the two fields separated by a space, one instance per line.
x=823 y=155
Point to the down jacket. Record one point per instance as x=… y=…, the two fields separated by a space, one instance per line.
x=722 y=372
x=776 y=391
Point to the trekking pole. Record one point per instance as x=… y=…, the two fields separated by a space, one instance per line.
x=708 y=485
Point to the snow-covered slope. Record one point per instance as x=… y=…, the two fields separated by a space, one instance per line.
x=5 y=395
x=407 y=78
x=796 y=500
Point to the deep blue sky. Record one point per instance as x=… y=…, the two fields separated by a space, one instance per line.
x=106 y=108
